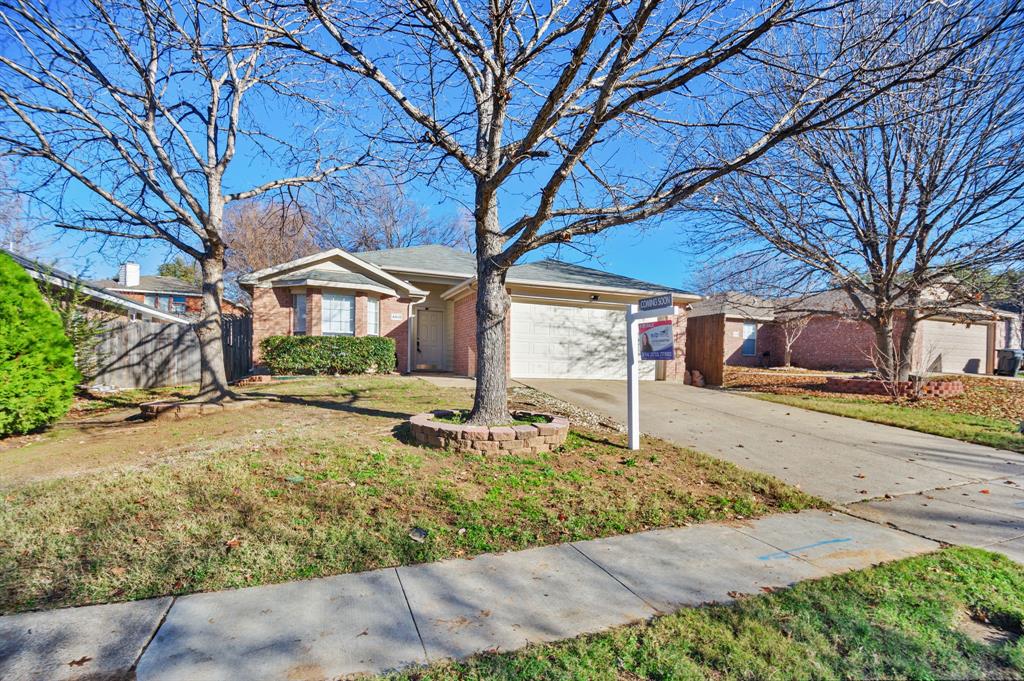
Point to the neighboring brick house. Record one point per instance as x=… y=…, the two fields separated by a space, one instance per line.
x=167 y=294
x=962 y=339
x=95 y=298
x=566 y=321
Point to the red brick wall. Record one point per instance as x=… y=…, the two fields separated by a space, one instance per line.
x=674 y=369
x=360 y=313
x=314 y=312
x=834 y=342
x=396 y=329
x=271 y=316
x=464 y=341
x=734 y=345
x=193 y=304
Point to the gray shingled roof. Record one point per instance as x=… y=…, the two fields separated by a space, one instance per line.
x=559 y=272
x=88 y=288
x=429 y=257
x=734 y=304
x=449 y=260
x=352 y=278
x=152 y=283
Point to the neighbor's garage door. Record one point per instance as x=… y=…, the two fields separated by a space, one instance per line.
x=955 y=348
x=558 y=341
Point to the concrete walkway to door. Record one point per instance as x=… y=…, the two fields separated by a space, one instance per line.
x=944 y=489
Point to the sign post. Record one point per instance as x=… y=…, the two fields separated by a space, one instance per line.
x=657 y=343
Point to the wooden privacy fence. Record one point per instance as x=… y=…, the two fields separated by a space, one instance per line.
x=705 y=347
x=137 y=354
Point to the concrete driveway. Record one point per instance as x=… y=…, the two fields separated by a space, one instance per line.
x=839 y=459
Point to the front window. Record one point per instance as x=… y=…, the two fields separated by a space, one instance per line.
x=338 y=315
x=149 y=299
x=372 y=317
x=178 y=304
x=749 y=339
x=299 y=314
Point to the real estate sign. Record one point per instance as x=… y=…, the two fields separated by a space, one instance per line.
x=656 y=340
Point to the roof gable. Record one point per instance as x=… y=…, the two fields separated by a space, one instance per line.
x=331 y=263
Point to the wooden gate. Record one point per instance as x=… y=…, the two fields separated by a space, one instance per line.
x=705 y=347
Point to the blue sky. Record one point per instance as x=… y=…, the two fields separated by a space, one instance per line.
x=654 y=255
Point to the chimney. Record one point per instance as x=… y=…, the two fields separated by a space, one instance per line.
x=128 y=275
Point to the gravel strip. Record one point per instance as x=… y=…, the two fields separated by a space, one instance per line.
x=531 y=399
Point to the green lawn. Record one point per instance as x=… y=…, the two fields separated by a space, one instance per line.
x=322 y=482
x=1001 y=433
x=903 y=620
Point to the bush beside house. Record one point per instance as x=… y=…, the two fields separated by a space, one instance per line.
x=37 y=362
x=328 y=354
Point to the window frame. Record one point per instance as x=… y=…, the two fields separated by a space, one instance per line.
x=327 y=323
x=752 y=338
x=372 y=322
x=296 y=317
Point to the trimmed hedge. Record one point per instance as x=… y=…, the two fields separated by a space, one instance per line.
x=37 y=362
x=328 y=354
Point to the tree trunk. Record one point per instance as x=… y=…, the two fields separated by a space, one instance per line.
x=490 y=403
x=885 y=355
x=906 y=348
x=213 y=385
x=787 y=357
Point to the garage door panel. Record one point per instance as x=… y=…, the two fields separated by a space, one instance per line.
x=954 y=347
x=557 y=341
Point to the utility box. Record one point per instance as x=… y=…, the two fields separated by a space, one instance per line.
x=1009 y=362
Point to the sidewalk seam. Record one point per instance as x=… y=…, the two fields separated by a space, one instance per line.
x=603 y=569
x=412 y=614
x=156 y=630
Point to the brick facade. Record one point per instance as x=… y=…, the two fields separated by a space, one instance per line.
x=835 y=342
x=193 y=304
x=766 y=342
x=273 y=316
x=464 y=337
x=397 y=329
x=676 y=368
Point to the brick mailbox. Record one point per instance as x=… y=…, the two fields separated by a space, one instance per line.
x=530 y=438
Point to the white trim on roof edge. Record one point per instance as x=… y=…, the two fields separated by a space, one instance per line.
x=324 y=283
x=120 y=302
x=252 y=279
x=467 y=283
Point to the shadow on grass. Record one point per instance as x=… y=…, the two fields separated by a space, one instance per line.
x=348 y=404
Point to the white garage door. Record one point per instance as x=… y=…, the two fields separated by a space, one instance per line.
x=558 y=341
x=954 y=348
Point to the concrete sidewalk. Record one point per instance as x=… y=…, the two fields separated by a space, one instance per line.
x=947 y=490
x=392 y=618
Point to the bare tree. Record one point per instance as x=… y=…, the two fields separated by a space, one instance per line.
x=131 y=114
x=262 y=234
x=375 y=212
x=899 y=204
x=791 y=326
x=578 y=117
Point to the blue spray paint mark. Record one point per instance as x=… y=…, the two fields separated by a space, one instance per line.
x=786 y=554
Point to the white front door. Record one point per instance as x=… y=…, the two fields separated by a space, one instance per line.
x=564 y=341
x=429 y=339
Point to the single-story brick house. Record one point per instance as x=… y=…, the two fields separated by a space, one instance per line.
x=962 y=339
x=566 y=321
x=167 y=294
